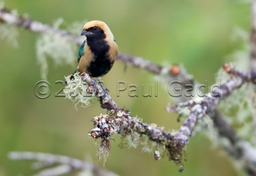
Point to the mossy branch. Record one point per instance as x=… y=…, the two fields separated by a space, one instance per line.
x=119 y=121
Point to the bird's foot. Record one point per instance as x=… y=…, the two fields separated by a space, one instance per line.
x=72 y=77
x=102 y=86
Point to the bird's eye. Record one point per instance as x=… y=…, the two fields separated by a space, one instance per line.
x=94 y=28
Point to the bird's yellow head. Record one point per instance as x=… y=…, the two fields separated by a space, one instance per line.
x=97 y=29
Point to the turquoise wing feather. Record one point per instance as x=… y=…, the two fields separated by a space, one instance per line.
x=81 y=51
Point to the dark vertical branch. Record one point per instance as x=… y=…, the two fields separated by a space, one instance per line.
x=223 y=128
x=253 y=61
x=237 y=148
x=253 y=38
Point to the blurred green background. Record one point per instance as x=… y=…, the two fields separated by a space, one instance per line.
x=195 y=33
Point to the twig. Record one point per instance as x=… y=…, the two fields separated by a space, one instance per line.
x=199 y=107
x=10 y=18
x=239 y=149
x=67 y=164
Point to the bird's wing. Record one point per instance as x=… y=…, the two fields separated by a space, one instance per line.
x=81 y=51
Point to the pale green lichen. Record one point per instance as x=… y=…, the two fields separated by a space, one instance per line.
x=56 y=47
x=241 y=57
x=137 y=140
x=76 y=27
x=6 y=30
x=85 y=173
x=76 y=90
x=206 y=125
x=133 y=140
x=237 y=110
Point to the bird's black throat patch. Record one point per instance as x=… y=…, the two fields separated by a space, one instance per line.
x=101 y=62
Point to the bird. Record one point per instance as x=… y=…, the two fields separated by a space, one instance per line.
x=98 y=52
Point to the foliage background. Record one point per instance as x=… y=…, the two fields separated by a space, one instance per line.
x=195 y=33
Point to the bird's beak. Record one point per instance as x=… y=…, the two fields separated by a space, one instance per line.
x=86 y=33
